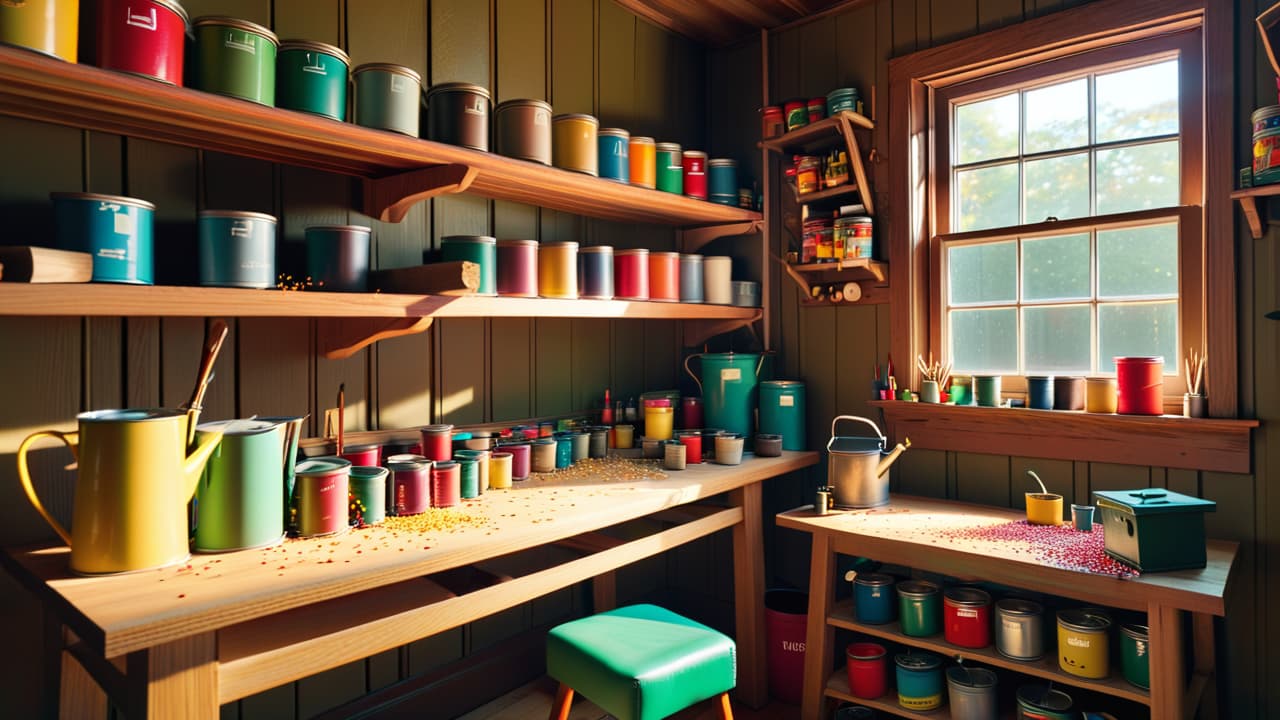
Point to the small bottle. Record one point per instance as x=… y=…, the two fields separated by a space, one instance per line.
x=631 y=410
x=606 y=415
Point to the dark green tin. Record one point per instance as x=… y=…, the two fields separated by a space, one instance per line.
x=1135 y=655
x=369 y=485
x=919 y=608
x=312 y=77
x=237 y=58
x=388 y=97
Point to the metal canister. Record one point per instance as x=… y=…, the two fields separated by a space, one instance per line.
x=564 y=450
x=521 y=456
x=482 y=458
x=598 y=445
x=320 y=495
x=518 y=268
x=458 y=114
x=691 y=278
x=1020 y=629
x=821 y=501
x=595 y=272
x=920 y=683
x=717 y=283
x=1083 y=645
x=411 y=484
x=967 y=617
x=468 y=476
x=142 y=37
x=388 y=97
x=544 y=455
x=558 y=270
x=782 y=412
x=1042 y=702
x=971 y=693
x=575 y=143
x=695 y=174
x=236 y=57
x=919 y=608
x=479 y=249
x=746 y=293
x=722 y=181
x=670 y=168
x=116 y=231
x=631 y=274
x=614 y=154
x=642 y=161
x=368 y=485
x=446 y=484
x=1266 y=145
x=237 y=249
x=664 y=276
x=338 y=257
x=312 y=77
x=47 y=26
x=1135 y=655
x=873 y=598
x=522 y=129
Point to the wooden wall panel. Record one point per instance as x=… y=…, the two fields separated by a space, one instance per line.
x=521 y=51
x=953 y=20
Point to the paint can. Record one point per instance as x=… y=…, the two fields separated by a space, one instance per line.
x=691 y=278
x=796 y=113
x=410 y=484
x=966 y=617
x=141 y=37
x=746 y=293
x=500 y=470
x=1020 y=629
x=659 y=419
x=338 y=257
x=1068 y=393
x=615 y=161
x=1135 y=655
x=238 y=499
x=695 y=174
x=717 y=271
x=235 y=57
x=722 y=181
x=971 y=693
x=368 y=484
x=558 y=270
x=1266 y=145
x=1100 y=395
x=692 y=441
x=631 y=274
x=575 y=144
x=543 y=454
x=483 y=460
x=868 y=670
x=479 y=249
x=517 y=274
x=312 y=77
x=842 y=99
x=691 y=413
x=458 y=114
x=1042 y=702
x=521 y=459
x=320 y=493
x=767 y=445
x=237 y=249
x=772 y=123
x=595 y=272
x=388 y=97
x=1040 y=392
x=468 y=477
x=874 y=599
x=624 y=436
x=581 y=445
x=437 y=442
x=670 y=168
x=664 y=276
x=817 y=109
x=1139 y=385
x=522 y=129
x=564 y=451
x=854 y=234
x=362 y=454
x=919 y=608
x=1083 y=647
x=642 y=161
x=116 y=231
x=46 y=26
x=782 y=412
x=446 y=484
x=919 y=677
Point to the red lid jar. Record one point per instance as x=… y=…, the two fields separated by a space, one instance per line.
x=966 y=614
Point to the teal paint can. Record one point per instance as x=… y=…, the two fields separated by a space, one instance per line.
x=920 y=681
x=723 y=181
x=614 y=157
x=842 y=99
x=564 y=451
x=782 y=412
x=728 y=385
x=237 y=249
x=369 y=485
x=670 y=162
x=237 y=58
x=468 y=476
x=312 y=77
x=388 y=97
x=479 y=249
x=238 y=500
x=116 y=231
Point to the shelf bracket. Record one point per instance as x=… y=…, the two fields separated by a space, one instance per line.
x=390 y=198
x=693 y=239
x=697 y=332
x=855 y=162
x=1249 y=205
x=343 y=337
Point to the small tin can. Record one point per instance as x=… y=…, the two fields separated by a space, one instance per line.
x=237 y=249
x=1083 y=647
x=236 y=57
x=598 y=445
x=691 y=278
x=1042 y=702
x=482 y=459
x=521 y=459
x=575 y=144
x=558 y=270
x=518 y=268
x=631 y=274
x=772 y=122
x=664 y=276
x=821 y=501
x=1266 y=145
x=722 y=181
x=581 y=441
x=564 y=451
x=52 y=27
x=458 y=114
x=446 y=484
x=522 y=129
x=692 y=441
x=544 y=455
x=1020 y=629
x=966 y=617
x=367 y=455
x=468 y=477
x=368 y=484
x=388 y=97
x=971 y=693
x=919 y=608
x=842 y=99
x=338 y=257
x=1135 y=655
x=873 y=598
x=142 y=37
x=642 y=161
x=595 y=272
x=919 y=680
x=500 y=470
x=320 y=491
x=817 y=109
x=479 y=249
x=674 y=455
x=746 y=293
x=695 y=174
x=670 y=168
x=437 y=442
x=717 y=285
x=116 y=231
x=312 y=77
x=411 y=484
x=868 y=670
x=614 y=154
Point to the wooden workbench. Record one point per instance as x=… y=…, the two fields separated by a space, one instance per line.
x=180 y=641
x=904 y=533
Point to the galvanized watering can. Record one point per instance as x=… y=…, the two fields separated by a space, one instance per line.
x=858 y=467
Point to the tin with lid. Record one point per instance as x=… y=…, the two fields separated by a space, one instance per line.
x=142 y=37
x=575 y=143
x=967 y=617
x=235 y=57
x=595 y=272
x=458 y=114
x=558 y=270
x=522 y=129
x=1020 y=629
x=1042 y=702
x=691 y=288
x=388 y=97
x=237 y=248
x=874 y=600
x=479 y=249
x=518 y=268
x=670 y=168
x=1083 y=646
x=642 y=159
x=920 y=682
x=971 y=693
x=919 y=608
x=1135 y=655
x=117 y=231
x=631 y=274
x=695 y=174
x=312 y=77
x=614 y=154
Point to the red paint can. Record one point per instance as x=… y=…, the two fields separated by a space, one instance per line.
x=437 y=442
x=446 y=484
x=966 y=617
x=410 y=491
x=691 y=413
x=363 y=455
x=143 y=37
x=631 y=274
x=817 y=108
x=1139 y=385
x=519 y=459
x=695 y=174
x=518 y=268
x=664 y=276
x=320 y=495
x=868 y=670
x=692 y=442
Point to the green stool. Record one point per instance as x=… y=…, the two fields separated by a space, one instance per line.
x=640 y=662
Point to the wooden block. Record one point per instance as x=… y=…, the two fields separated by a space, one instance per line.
x=450 y=278
x=30 y=264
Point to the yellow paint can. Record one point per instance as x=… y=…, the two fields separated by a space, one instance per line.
x=1083 y=643
x=48 y=26
x=575 y=143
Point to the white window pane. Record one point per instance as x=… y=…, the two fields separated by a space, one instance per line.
x=1057 y=187
x=1056 y=268
x=1057 y=117
x=987 y=129
x=1138 y=261
x=1138 y=329
x=987 y=197
x=1057 y=339
x=984 y=340
x=1137 y=103
x=983 y=273
x=1138 y=177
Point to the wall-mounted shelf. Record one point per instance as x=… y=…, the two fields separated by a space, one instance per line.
x=838 y=191
x=826 y=133
x=398 y=170
x=1252 y=202
x=350 y=321
x=869 y=274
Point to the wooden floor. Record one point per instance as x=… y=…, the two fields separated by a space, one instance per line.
x=533 y=702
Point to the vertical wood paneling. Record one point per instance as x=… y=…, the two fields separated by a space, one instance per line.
x=319 y=20
x=953 y=20
x=330 y=688
x=553 y=377
x=982 y=478
x=1058 y=477
x=997 y=13
x=521 y=51
x=617 y=69
x=572 y=56
x=589 y=362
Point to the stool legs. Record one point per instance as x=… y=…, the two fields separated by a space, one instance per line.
x=564 y=700
x=726 y=710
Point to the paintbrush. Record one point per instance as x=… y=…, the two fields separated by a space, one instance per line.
x=342 y=411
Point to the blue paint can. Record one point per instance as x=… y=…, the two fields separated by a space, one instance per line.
x=782 y=412
x=595 y=272
x=116 y=231
x=237 y=249
x=842 y=99
x=564 y=451
x=919 y=680
x=723 y=181
x=479 y=249
x=614 y=159
x=691 y=278
x=874 y=599
x=1040 y=392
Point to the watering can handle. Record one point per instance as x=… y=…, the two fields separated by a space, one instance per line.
x=838 y=418
x=24 y=474
x=690 y=372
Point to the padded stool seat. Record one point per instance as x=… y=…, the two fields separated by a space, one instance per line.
x=640 y=662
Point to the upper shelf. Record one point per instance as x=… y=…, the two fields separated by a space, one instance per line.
x=1249 y=199
x=41 y=88
x=823 y=132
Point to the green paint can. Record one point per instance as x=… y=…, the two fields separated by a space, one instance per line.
x=670 y=168
x=312 y=77
x=368 y=484
x=479 y=249
x=782 y=412
x=919 y=608
x=388 y=97
x=239 y=503
x=468 y=476
x=237 y=58
x=1135 y=655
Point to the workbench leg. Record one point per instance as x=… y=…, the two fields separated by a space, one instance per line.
x=748 y=596
x=69 y=691
x=1204 y=673
x=819 y=635
x=1167 y=663
x=175 y=680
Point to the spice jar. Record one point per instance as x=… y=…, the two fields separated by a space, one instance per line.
x=773 y=124
x=808 y=173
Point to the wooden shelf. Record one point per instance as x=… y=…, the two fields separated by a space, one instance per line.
x=847 y=269
x=870 y=275
x=825 y=132
x=349 y=321
x=838 y=688
x=399 y=170
x=1252 y=203
x=828 y=194
x=1047 y=667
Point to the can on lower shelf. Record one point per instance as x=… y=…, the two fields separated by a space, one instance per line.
x=873 y=598
x=51 y=27
x=368 y=485
x=458 y=114
x=141 y=37
x=1043 y=702
x=522 y=129
x=971 y=693
x=237 y=249
x=558 y=270
x=920 y=683
x=117 y=231
x=575 y=143
x=1083 y=647
x=595 y=272
x=479 y=249
x=388 y=97
x=517 y=268
x=312 y=77
x=236 y=57
x=1135 y=655
x=614 y=154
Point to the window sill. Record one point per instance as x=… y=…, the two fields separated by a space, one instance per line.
x=1216 y=444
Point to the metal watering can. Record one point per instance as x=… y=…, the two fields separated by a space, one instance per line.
x=728 y=386
x=858 y=467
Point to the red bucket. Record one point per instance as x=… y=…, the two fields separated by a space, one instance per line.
x=1139 y=385
x=143 y=37
x=786 y=615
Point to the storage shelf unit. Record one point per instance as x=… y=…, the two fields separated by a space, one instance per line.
x=1253 y=203
x=871 y=276
x=838 y=191
x=837 y=688
x=823 y=133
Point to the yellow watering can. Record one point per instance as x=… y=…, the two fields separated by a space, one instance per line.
x=134 y=481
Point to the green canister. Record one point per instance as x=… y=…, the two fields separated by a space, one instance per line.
x=468 y=476
x=782 y=412
x=670 y=168
x=1135 y=655
x=388 y=97
x=919 y=608
x=368 y=486
x=479 y=249
x=239 y=503
x=312 y=77
x=237 y=58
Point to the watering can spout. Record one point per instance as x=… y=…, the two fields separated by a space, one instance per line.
x=193 y=467
x=889 y=459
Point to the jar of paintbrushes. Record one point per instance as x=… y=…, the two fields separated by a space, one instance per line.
x=1194 y=404
x=933 y=377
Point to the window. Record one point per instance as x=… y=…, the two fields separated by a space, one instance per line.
x=1066 y=222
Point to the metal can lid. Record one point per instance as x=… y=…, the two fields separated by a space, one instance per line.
x=690 y=257
x=518 y=243
x=175 y=6
x=1135 y=631
x=722 y=162
x=658 y=402
x=117 y=199
x=792 y=384
x=1139 y=359
x=632 y=251
x=367 y=471
x=966 y=596
x=316 y=46
x=694 y=153
x=444 y=465
x=1090 y=620
x=238 y=24
x=1018 y=606
x=614 y=132
x=596 y=250
x=238 y=214
x=865 y=651
x=971 y=677
x=584 y=117
x=389 y=67
x=917 y=588
x=1265 y=112
x=843 y=91
x=321 y=466
x=458 y=87
x=744 y=285
x=771 y=110
x=641 y=140
x=1043 y=697
x=340 y=228
x=566 y=245
x=468 y=240
x=244 y=426
x=436 y=429
x=668 y=147
x=664 y=254
x=917 y=661
x=873 y=579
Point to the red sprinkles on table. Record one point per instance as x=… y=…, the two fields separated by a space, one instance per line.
x=1060 y=546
